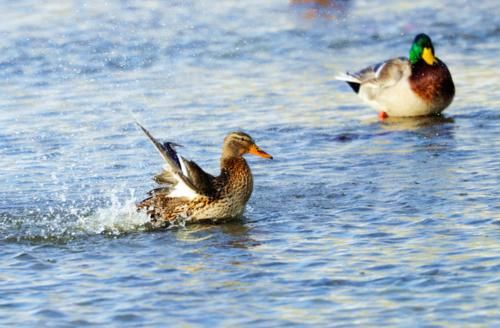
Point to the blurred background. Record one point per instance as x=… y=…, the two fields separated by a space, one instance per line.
x=355 y=222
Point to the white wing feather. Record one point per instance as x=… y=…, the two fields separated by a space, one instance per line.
x=181 y=187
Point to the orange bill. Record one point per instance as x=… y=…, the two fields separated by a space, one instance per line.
x=255 y=150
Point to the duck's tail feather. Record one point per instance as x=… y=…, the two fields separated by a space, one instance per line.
x=348 y=77
x=353 y=81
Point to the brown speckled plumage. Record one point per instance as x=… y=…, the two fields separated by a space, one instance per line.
x=217 y=198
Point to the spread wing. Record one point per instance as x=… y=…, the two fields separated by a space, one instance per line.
x=181 y=177
x=381 y=75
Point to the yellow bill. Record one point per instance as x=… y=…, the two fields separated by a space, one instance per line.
x=428 y=56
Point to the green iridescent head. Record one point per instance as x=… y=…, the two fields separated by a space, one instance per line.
x=422 y=48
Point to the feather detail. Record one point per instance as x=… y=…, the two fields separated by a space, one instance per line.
x=173 y=174
x=347 y=77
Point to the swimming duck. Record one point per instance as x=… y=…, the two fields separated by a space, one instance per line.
x=188 y=194
x=414 y=86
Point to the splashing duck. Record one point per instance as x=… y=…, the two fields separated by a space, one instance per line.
x=415 y=86
x=188 y=194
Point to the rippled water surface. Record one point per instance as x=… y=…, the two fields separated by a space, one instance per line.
x=355 y=223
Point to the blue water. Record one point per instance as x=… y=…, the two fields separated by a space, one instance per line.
x=355 y=223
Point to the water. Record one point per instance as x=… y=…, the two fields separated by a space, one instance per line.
x=355 y=222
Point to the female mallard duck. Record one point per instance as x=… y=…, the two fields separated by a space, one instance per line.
x=420 y=85
x=189 y=194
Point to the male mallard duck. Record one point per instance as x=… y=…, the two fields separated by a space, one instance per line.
x=420 y=85
x=189 y=194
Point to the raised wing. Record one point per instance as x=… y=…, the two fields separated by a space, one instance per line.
x=181 y=177
x=203 y=181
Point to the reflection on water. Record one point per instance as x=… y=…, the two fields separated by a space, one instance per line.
x=429 y=127
x=415 y=123
x=232 y=234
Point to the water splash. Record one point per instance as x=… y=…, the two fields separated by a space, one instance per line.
x=120 y=217
x=64 y=222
